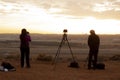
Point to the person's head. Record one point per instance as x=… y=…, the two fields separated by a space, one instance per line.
x=92 y=32
x=23 y=31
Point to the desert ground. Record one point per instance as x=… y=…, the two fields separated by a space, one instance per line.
x=43 y=50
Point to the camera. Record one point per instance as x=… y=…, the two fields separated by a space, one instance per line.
x=65 y=30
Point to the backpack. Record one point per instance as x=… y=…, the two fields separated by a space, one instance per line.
x=74 y=64
x=100 y=66
x=7 y=66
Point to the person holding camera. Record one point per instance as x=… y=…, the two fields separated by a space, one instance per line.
x=24 y=47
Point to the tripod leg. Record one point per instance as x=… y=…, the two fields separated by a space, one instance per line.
x=58 y=52
x=70 y=50
x=55 y=60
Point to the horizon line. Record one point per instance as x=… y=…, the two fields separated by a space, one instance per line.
x=68 y=33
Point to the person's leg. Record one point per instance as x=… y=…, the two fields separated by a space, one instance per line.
x=27 y=57
x=89 y=60
x=22 y=57
x=95 y=59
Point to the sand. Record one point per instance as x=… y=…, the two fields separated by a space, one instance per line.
x=46 y=71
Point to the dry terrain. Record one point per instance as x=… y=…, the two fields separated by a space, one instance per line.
x=47 y=45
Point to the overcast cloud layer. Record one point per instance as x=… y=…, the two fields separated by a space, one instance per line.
x=102 y=9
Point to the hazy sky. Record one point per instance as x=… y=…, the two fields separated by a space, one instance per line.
x=52 y=16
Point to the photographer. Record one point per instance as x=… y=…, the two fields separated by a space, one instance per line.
x=24 y=47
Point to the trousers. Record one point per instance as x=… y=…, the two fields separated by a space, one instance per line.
x=92 y=58
x=25 y=54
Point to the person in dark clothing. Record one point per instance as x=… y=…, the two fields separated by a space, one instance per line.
x=93 y=43
x=24 y=47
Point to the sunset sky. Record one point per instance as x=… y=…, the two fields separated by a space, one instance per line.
x=52 y=16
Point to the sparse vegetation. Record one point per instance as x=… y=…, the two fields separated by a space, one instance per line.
x=115 y=58
x=14 y=57
x=43 y=57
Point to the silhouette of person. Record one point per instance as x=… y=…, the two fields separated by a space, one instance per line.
x=24 y=47
x=93 y=43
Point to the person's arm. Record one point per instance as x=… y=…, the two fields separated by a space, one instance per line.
x=28 y=38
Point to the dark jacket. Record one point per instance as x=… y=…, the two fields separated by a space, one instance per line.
x=24 y=39
x=93 y=41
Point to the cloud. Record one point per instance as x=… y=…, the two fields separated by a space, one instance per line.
x=107 y=9
x=11 y=7
x=104 y=9
x=10 y=1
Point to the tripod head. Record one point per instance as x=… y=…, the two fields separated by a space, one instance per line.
x=65 y=31
x=65 y=34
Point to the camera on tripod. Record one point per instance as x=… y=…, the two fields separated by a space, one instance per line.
x=65 y=30
x=73 y=64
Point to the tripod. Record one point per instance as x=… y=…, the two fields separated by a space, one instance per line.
x=60 y=46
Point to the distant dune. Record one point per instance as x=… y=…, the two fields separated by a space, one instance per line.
x=48 y=44
x=42 y=43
